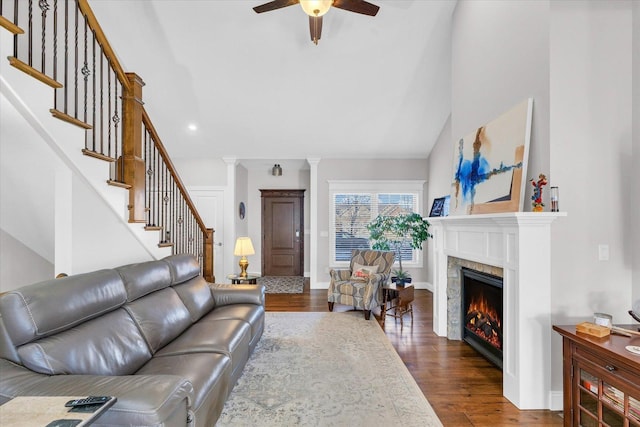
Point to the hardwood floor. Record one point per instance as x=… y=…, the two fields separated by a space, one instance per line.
x=463 y=388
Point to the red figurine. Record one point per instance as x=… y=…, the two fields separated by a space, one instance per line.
x=537 y=204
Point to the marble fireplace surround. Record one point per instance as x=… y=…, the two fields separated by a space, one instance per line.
x=518 y=245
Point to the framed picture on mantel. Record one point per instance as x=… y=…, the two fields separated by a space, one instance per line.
x=489 y=164
x=440 y=207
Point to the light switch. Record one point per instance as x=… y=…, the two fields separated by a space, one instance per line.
x=603 y=252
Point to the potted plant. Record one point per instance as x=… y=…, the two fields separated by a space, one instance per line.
x=393 y=232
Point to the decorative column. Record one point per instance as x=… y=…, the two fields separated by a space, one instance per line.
x=313 y=219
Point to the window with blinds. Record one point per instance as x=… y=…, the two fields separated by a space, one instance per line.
x=355 y=204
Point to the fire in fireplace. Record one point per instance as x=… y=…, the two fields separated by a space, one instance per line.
x=482 y=314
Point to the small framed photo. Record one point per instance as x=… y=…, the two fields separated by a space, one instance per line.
x=440 y=206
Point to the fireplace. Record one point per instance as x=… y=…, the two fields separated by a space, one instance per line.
x=517 y=247
x=482 y=313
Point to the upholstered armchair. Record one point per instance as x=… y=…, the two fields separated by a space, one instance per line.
x=361 y=285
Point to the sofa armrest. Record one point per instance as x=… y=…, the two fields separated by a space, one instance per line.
x=224 y=294
x=143 y=400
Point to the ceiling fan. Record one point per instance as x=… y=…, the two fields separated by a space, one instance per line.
x=317 y=8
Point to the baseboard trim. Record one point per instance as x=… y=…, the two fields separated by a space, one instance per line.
x=556 y=400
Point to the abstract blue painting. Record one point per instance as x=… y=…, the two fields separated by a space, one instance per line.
x=489 y=163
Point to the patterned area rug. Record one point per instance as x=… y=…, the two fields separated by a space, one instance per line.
x=325 y=369
x=282 y=284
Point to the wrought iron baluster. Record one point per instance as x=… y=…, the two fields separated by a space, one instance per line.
x=116 y=123
x=15 y=36
x=44 y=7
x=174 y=218
x=164 y=194
x=93 y=89
x=30 y=33
x=75 y=70
x=157 y=187
x=65 y=108
x=55 y=49
x=100 y=135
x=85 y=70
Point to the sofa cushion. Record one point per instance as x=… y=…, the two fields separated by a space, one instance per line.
x=183 y=267
x=196 y=296
x=161 y=316
x=52 y=306
x=143 y=278
x=110 y=345
x=209 y=373
x=229 y=336
x=250 y=313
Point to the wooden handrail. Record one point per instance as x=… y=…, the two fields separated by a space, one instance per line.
x=102 y=40
x=165 y=157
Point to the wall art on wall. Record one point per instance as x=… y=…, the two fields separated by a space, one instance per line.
x=489 y=164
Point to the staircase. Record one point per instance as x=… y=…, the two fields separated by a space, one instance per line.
x=104 y=133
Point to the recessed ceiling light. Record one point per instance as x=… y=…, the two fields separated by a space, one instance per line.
x=192 y=127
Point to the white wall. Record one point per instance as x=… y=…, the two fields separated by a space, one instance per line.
x=100 y=239
x=635 y=201
x=440 y=177
x=19 y=265
x=591 y=86
x=27 y=177
x=241 y=195
x=500 y=57
x=197 y=171
x=574 y=59
x=591 y=156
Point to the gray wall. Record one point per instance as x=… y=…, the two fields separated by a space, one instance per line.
x=635 y=201
x=356 y=169
x=574 y=59
x=500 y=57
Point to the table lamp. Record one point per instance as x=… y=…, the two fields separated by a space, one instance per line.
x=243 y=248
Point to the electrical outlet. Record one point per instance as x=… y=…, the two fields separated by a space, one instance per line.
x=603 y=252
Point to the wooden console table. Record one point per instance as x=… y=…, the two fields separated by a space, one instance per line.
x=601 y=379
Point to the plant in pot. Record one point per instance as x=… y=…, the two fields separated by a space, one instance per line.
x=393 y=232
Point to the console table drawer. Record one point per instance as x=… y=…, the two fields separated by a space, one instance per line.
x=612 y=368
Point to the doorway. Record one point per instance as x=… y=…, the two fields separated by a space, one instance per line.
x=282 y=232
x=210 y=205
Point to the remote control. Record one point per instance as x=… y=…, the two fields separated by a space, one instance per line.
x=91 y=400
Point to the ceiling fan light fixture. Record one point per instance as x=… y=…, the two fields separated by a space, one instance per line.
x=316 y=7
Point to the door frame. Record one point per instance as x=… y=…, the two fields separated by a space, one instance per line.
x=283 y=193
x=218 y=236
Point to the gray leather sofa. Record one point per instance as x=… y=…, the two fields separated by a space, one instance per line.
x=156 y=335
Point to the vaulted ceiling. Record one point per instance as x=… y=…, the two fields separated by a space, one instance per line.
x=257 y=87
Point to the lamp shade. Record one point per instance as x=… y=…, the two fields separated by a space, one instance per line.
x=316 y=7
x=243 y=247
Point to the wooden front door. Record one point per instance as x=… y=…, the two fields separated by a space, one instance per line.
x=282 y=232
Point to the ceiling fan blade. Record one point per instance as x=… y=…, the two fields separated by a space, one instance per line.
x=273 y=5
x=315 y=28
x=357 y=6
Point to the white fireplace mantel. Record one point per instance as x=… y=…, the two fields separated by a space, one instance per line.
x=519 y=243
